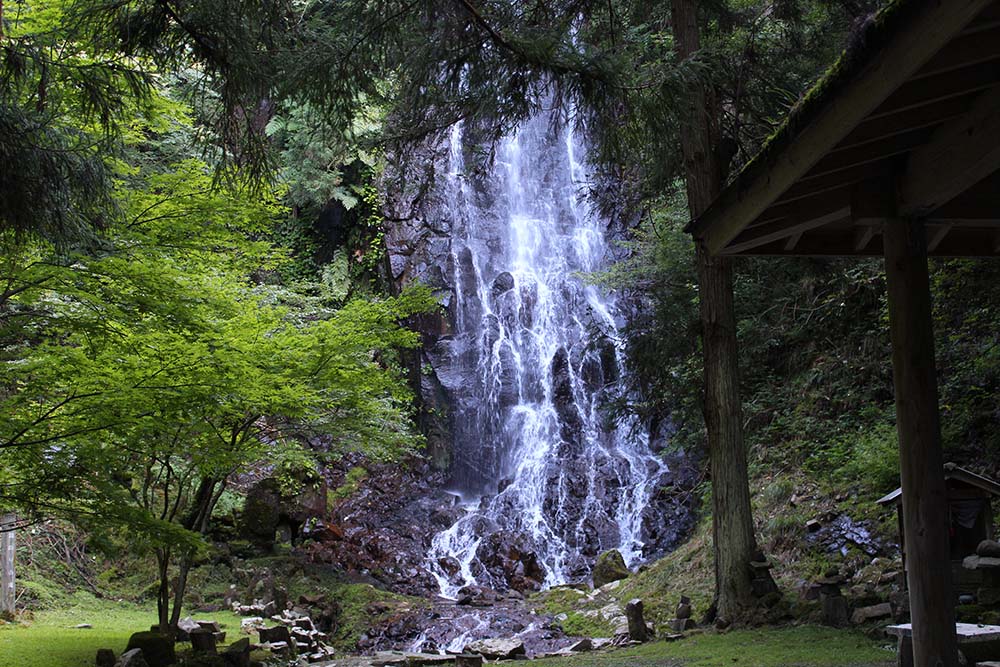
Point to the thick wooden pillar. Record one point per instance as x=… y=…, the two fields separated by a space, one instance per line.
x=921 y=461
x=7 y=546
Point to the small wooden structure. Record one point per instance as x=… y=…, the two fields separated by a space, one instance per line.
x=970 y=510
x=976 y=641
x=895 y=152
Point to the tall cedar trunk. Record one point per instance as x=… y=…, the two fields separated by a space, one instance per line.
x=734 y=542
x=8 y=546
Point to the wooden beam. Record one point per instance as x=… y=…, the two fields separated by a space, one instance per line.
x=933 y=25
x=932 y=89
x=857 y=241
x=921 y=461
x=837 y=161
x=873 y=200
x=957 y=156
x=968 y=49
x=937 y=234
x=863 y=236
x=874 y=129
x=792 y=242
x=752 y=238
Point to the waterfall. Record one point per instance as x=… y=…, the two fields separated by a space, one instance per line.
x=540 y=471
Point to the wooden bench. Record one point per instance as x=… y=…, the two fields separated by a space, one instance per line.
x=982 y=641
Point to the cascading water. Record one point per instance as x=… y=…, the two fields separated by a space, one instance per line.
x=541 y=472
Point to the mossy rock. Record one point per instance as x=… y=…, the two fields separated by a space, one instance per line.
x=157 y=649
x=610 y=566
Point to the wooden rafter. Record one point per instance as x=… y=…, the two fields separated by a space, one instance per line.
x=958 y=155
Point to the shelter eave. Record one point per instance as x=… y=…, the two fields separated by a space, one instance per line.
x=906 y=122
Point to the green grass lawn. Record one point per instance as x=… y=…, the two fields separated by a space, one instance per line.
x=50 y=640
x=799 y=646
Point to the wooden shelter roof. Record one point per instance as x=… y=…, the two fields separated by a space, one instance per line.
x=952 y=471
x=906 y=122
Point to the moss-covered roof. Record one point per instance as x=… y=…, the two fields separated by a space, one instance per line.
x=878 y=31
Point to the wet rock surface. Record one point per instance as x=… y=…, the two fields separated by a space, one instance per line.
x=450 y=628
x=382 y=531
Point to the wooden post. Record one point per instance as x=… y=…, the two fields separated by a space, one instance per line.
x=921 y=462
x=7 y=564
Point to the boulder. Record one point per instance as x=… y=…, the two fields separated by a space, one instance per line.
x=463 y=660
x=157 y=650
x=132 y=658
x=105 y=658
x=478 y=596
x=988 y=548
x=610 y=566
x=581 y=646
x=502 y=283
x=636 y=623
x=871 y=613
x=237 y=654
x=496 y=649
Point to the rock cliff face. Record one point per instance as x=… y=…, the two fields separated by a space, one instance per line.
x=518 y=366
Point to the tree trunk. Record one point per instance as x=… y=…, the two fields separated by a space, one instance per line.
x=163 y=590
x=733 y=532
x=7 y=548
x=180 y=586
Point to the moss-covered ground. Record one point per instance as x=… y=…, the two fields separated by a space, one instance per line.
x=793 y=646
x=49 y=639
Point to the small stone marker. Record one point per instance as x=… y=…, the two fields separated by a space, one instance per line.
x=278 y=633
x=636 y=623
x=237 y=654
x=203 y=641
x=105 y=658
x=467 y=660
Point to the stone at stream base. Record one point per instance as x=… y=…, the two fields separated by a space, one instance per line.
x=610 y=566
x=464 y=660
x=203 y=640
x=871 y=613
x=581 y=646
x=105 y=658
x=157 y=649
x=988 y=548
x=636 y=623
x=132 y=658
x=496 y=649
